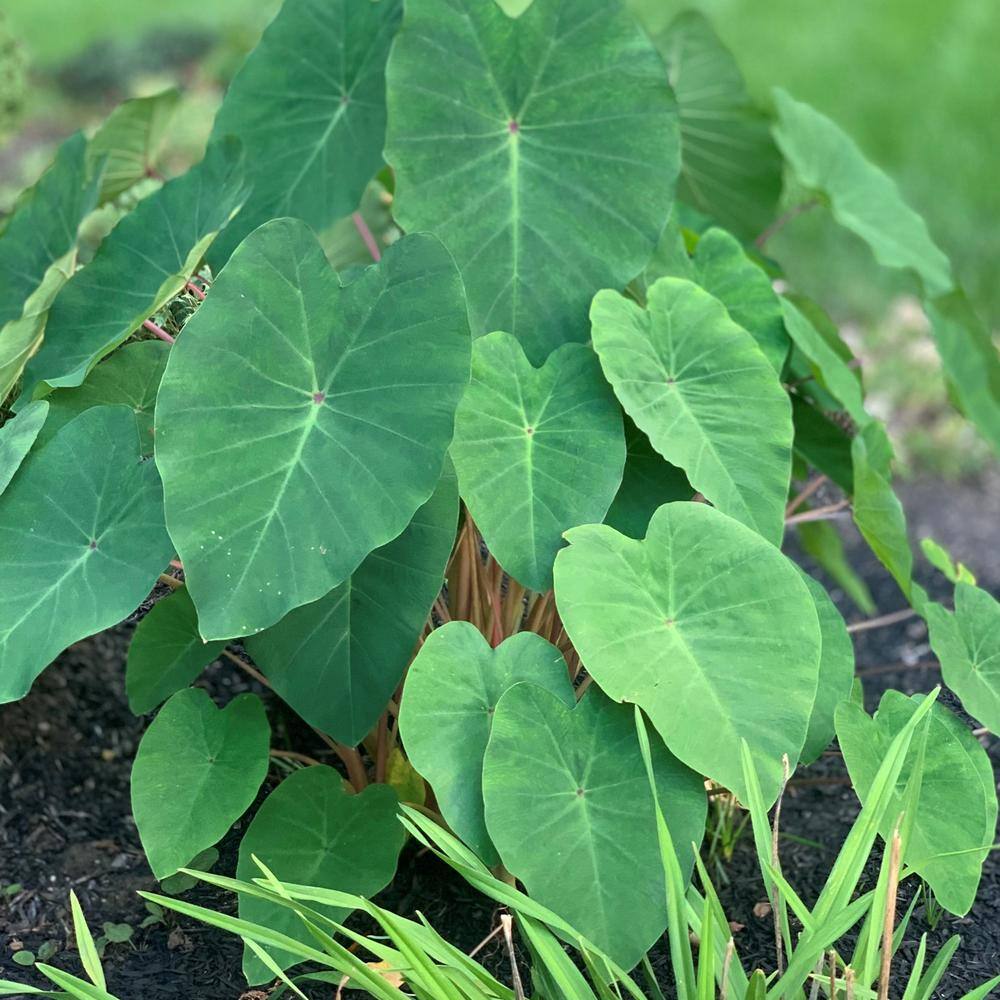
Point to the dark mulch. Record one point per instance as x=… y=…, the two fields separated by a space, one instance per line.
x=65 y=819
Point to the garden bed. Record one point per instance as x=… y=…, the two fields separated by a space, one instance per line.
x=65 y=818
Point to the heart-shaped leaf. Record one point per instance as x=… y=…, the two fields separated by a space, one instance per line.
x=839 y=379
x=131 y=376
x=17 y=436
x=38 y=253
x=81 y=550
x=537 y=451
x=451 y=694
x=166 y=653
x=730 y=167
x=338 y=660
x=42 y=228
x=130 y=142
x=693 y=381
x=822 y=444
x=878 y=513
x=836 y=672
x=155 y=249
x=958 y=803
x=705 y=626
x=309 y=106
x=968 y=645
x=546 y=165
x=311 y=831
x=723 y=269
x=573 y=777
x=862 y=198
x=648 y=482
x=326 y=408
x=197 y=770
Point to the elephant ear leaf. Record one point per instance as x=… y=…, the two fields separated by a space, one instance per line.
x=185 y=215
x=968 y=645
x=66 y=539
x=836 y=672
x=43 y=227
x=312 y=831
x=558 y=141
x=578 y=769
x=131 y=140
x=17 y=436
x=537 y=451
x=648 y=482
x=723 y=268
x=324 y=406
x=674 y=612
x=452 y=690
x=166 y=653
x=338 y=660
x=862 y=198
x=693 y=381
x=309 y=107
x=197 y=770
x=38 y=253
x=130 y=377
x=730 y=167
x=954 y=825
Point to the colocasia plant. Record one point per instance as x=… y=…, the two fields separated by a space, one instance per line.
x=463 y=346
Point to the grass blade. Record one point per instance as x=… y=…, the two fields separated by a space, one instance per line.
x=89 y=958
x=677 y=931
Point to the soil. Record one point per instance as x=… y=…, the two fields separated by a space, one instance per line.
x=65 y=818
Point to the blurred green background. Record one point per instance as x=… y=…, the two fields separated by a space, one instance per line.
x=916 y=83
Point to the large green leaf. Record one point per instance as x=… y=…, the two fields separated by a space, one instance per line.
x=822 y=443
x=862 y=198
x=197 y=770
x=648 y=482
x=879 y=515
x=704 y=625
x=722 y=268
x=309 y=106
x=836 y=672
x=81 y=539
x=573 y=778
x=131 y=140
x=730 y=167
x=957 y=810
x=694 y=381
x=838 y=378
x=20 y=338
x=38 y=252
x=338 y=660
x=142 y=264
x=17 y=436
x=43 y=227
x=311 y=831
x=968 y=645
x=166 y=653
x=537 y=451
x=131 y=376
x=546 y=162
x=451 y=693
x=326 y=409
x=970 y=361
